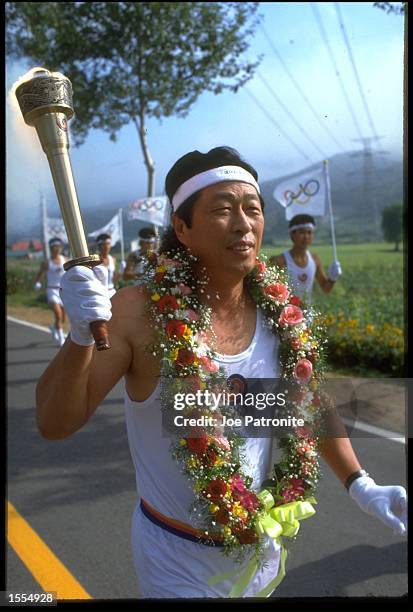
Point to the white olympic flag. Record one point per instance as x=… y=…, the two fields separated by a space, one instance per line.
x=112 y=228
x=304 y=193
x=153 y=210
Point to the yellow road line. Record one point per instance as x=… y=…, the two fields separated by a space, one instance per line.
x=45 y=567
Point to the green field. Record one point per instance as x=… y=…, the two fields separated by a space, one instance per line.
x=364 y=313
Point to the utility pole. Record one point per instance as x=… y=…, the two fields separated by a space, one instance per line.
x=369 y=169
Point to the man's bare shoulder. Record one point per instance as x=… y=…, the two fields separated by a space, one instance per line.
x=129 y=300
x=278 y=260
x=316 y=259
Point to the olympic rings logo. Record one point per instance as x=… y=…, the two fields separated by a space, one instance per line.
x=148 y=205
x=304 y=193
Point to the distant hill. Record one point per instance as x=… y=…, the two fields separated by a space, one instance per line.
x=353 y=208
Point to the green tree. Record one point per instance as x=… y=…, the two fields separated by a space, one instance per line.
x=392 y=224
x=397 y=8
x=129 y=61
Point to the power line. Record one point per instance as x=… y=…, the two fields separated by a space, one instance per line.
x=356 y=74
x=336 y=70
x=278 y=127
x=293 y=119
x=300 y=91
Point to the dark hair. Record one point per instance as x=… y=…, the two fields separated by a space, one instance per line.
x=146 y=233
x=102 y=237
x=55 y=242
x=185 y=168
x=298 y=219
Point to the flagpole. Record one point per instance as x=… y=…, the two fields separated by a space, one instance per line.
x=44 y=225
x=330 y=208
x=122 y=246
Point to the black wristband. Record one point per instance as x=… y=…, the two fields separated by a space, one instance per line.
x=354 y=477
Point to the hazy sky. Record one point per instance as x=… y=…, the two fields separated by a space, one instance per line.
x=108 y=173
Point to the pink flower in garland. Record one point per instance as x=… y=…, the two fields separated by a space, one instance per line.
x=303 y=370
x=192 y=384
x=222 y=442
x=260 y=270
x=249 y=501
x=184 y=289
x=291 y=315
x=303 y=431
x=295 y=344
x=192 y=315
x=237 y=483
x=207 y=364
x=169 y=263
x=294 y=490
x=277 y=292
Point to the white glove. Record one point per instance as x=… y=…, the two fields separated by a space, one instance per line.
x=389 y=504
x=122 y=265
x=85 y=297
x=37 y=286
x=334 y=272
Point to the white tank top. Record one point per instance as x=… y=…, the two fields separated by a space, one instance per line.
x=302 y=279
x=111 y=270
x=158 y=477
x=54 y=273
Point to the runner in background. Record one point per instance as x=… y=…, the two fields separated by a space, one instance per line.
x=53 y=269
x=104 y=242
x=136 y=261
x=304 y=267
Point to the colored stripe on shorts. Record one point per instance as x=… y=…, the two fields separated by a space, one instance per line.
x=178 y=528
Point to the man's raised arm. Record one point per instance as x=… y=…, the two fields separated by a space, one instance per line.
x=79 y=377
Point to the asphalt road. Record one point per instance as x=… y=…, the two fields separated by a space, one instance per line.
x=79 y=494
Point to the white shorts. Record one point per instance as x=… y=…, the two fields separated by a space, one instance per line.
x=170 y=566
x=53 y=296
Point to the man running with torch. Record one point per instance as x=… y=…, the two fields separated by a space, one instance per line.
x=204 y=309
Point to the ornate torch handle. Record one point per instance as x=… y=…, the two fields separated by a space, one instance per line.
x=46 y=103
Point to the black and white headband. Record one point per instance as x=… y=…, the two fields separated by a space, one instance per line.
x=211 y=177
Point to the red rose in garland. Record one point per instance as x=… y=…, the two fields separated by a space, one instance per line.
x=197 y=445
x=222 y=516
x=175 y=328
x=210 y=458
x=216 y=490
x=185 y=357
x=247 y=536
x=159 y=276
x=167 y=302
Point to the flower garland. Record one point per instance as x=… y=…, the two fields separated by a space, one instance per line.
x=229 y=508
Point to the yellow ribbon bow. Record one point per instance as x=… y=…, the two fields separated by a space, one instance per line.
x=276 y=521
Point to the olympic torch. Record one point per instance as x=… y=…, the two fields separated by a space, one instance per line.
x=46 y=104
